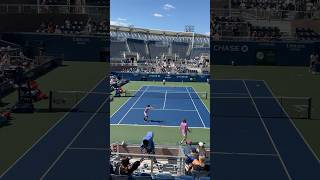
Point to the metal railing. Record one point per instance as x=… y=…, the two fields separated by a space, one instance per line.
x=174 y=165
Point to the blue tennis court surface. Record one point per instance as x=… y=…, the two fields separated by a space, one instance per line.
x=74 y=148
x=171 y=105
x=257 y=148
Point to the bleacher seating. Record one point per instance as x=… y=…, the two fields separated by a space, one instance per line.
x=235 y=27
x=263 y=31
x=138 y=46
x=74 y=27
x=116 y=48
x=300 y=5
x=164 y=177
x=157 y=50
x=97 y=2
x=180 y=49
x=197 y=51
x=307 y=34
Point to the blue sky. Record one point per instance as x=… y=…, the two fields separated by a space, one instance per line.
x=162 y=14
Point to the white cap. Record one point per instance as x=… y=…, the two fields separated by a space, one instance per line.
x=200 y=143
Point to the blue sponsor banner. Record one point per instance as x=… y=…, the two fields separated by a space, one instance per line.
x=161 y=77
x=251 y=53
x=72 y=47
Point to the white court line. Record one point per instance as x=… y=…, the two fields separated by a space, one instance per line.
x=265 y=127
x=74 y=138
x=168 y=109
x=62 y=118
x=149 y=125
x=133 y=105
x=125 y=103
x=244 y=154
x=165 y=99
x=299 y=132
x=201 y=100
x=196 y=109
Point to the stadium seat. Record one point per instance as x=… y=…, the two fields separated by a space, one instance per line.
x=204 y=178
x=184 y=178
x=119 y=177
x=164 y=177
x=142 y=177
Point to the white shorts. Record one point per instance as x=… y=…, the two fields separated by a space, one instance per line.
x=145 y=114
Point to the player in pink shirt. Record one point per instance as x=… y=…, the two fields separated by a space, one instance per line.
x=146 y=112
x=184 y=129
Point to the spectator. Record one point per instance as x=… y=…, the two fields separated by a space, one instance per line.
x=51 y=28
x=197 y=166
x=312 y=63
x=58 y=30
x=125 y=167
x=201 y=149
x=147 y=145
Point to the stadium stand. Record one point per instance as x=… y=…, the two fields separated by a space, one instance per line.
x=307 y=34
x=157 y=48
x=118 y=47
x=75 y=27
x=137 y=46
x=198 y=51
x=156 y=51
x=176 y=163
x=180 y=49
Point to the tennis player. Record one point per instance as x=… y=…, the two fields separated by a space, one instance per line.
x=184 y=129
x=164 y=82
x=146 y=112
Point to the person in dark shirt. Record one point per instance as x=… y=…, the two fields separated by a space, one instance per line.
x=125 y=167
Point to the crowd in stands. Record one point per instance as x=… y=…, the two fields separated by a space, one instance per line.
x=74 y=27
x=196 y=162
x=9 y=62
x=116 y=82
x=165 y=66
x=277 y=5
x=307 y=34
x=63 y=2
x=230 y=27
x=53 y=2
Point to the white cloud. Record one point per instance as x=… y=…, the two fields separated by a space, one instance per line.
x=207 y=33
x=157 y=15
x=118 y=23
x=168 y=7
x=121 y=19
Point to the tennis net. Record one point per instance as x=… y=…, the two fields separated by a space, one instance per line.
x=264 y=107
x=166 y=94
x=78 y=101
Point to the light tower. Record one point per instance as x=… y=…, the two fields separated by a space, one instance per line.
x=190 y=29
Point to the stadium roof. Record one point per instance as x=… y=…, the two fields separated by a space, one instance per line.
x=154 y=31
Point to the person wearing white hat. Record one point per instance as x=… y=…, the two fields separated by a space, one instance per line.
x=201 y=149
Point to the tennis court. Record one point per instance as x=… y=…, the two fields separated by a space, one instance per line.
x=74 y=148
x=254 y=137
x=171 y=105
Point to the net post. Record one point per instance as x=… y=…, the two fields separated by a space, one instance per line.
x=309 y=107
x=206 y=95
x=50 y=101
